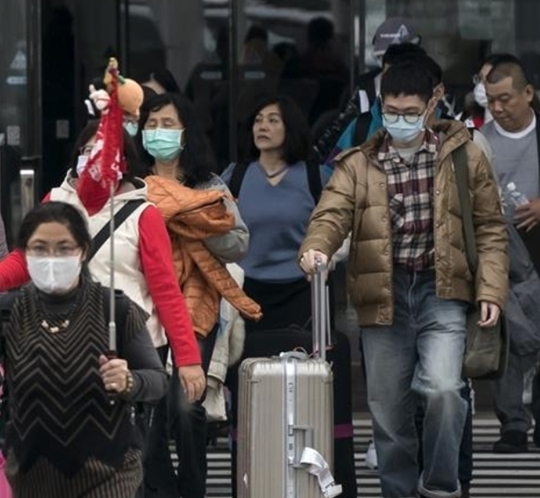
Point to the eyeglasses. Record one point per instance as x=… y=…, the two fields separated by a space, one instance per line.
x=393 y=117
x=86 y=150
x=41 y=251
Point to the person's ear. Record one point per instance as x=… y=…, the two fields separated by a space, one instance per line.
x=529 y=93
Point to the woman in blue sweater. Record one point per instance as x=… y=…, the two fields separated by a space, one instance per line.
x=277 y=187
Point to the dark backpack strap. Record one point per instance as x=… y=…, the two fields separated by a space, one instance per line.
x=103 y=235
x=237 y=177
x=121 y=312
x=313 y=171
x=361 y=129
x=461 y=169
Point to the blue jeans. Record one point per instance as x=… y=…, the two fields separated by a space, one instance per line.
x=421 y=355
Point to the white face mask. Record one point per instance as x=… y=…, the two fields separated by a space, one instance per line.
x=81 y=164
x=480 y=95
x=54 y=274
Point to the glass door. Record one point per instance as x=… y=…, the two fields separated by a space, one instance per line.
x=78 y=38
x=20 y=110
x=297 y=48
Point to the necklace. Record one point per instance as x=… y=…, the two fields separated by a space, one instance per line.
x=274 y=173
x=45 y=325
x=51 y=325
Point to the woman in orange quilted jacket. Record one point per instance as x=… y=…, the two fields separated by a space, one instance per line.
x=174 y=148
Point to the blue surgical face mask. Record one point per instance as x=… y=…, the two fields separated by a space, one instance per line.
x=162 y=144
x=131 y=127
x=403 y=131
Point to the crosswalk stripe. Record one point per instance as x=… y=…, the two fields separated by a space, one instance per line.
x=495 y=475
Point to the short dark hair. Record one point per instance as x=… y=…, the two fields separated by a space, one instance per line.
x=407 y=78
x=256 y=32
x=130 y=151
x=148 y=93
x=196 y=158
x=434 y=69
x=297 y=145
x=509 y=69
x=500 y=58
x=320 y=31
x=166 y=79
x=402 y=52
x=56 y=212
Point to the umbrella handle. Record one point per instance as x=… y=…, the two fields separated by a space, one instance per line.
x=112 y=395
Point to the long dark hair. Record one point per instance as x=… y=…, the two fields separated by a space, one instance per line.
x=165 y=78
x=297 y=145
x=130 y=151
x=56 y=212
x=196 y=158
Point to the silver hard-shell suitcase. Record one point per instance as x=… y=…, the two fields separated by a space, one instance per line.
x=285 y=418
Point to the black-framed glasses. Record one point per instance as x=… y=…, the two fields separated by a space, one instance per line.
x=393 y=117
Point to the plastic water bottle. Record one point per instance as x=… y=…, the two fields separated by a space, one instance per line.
x=516 y=197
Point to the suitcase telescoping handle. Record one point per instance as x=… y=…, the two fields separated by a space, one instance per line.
x=320 y=311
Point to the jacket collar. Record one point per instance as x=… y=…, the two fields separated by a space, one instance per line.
x=135 y=190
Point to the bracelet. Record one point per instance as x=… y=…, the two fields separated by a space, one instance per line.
x=129 y=383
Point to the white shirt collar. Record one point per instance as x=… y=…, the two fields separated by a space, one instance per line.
x=519 y=134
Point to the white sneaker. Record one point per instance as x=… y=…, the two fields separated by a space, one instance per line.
x=371 y=457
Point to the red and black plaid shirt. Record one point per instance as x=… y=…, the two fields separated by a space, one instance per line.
x=410 y=197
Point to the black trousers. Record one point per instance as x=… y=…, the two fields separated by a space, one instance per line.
x=532 y=242
x=175 y=418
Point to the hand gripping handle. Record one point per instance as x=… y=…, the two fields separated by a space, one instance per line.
x=320 y=311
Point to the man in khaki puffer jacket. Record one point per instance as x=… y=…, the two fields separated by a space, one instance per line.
x=408 y=276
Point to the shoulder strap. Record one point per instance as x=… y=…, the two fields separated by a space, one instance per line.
x=313 y=171
x=103 y=235
x=461 y=169
x=361 y=128
x=237 y=177
x=121 y=311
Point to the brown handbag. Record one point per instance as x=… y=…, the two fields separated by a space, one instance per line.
x=486 y=348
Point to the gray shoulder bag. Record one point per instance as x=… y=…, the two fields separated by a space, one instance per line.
x=486 y=350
